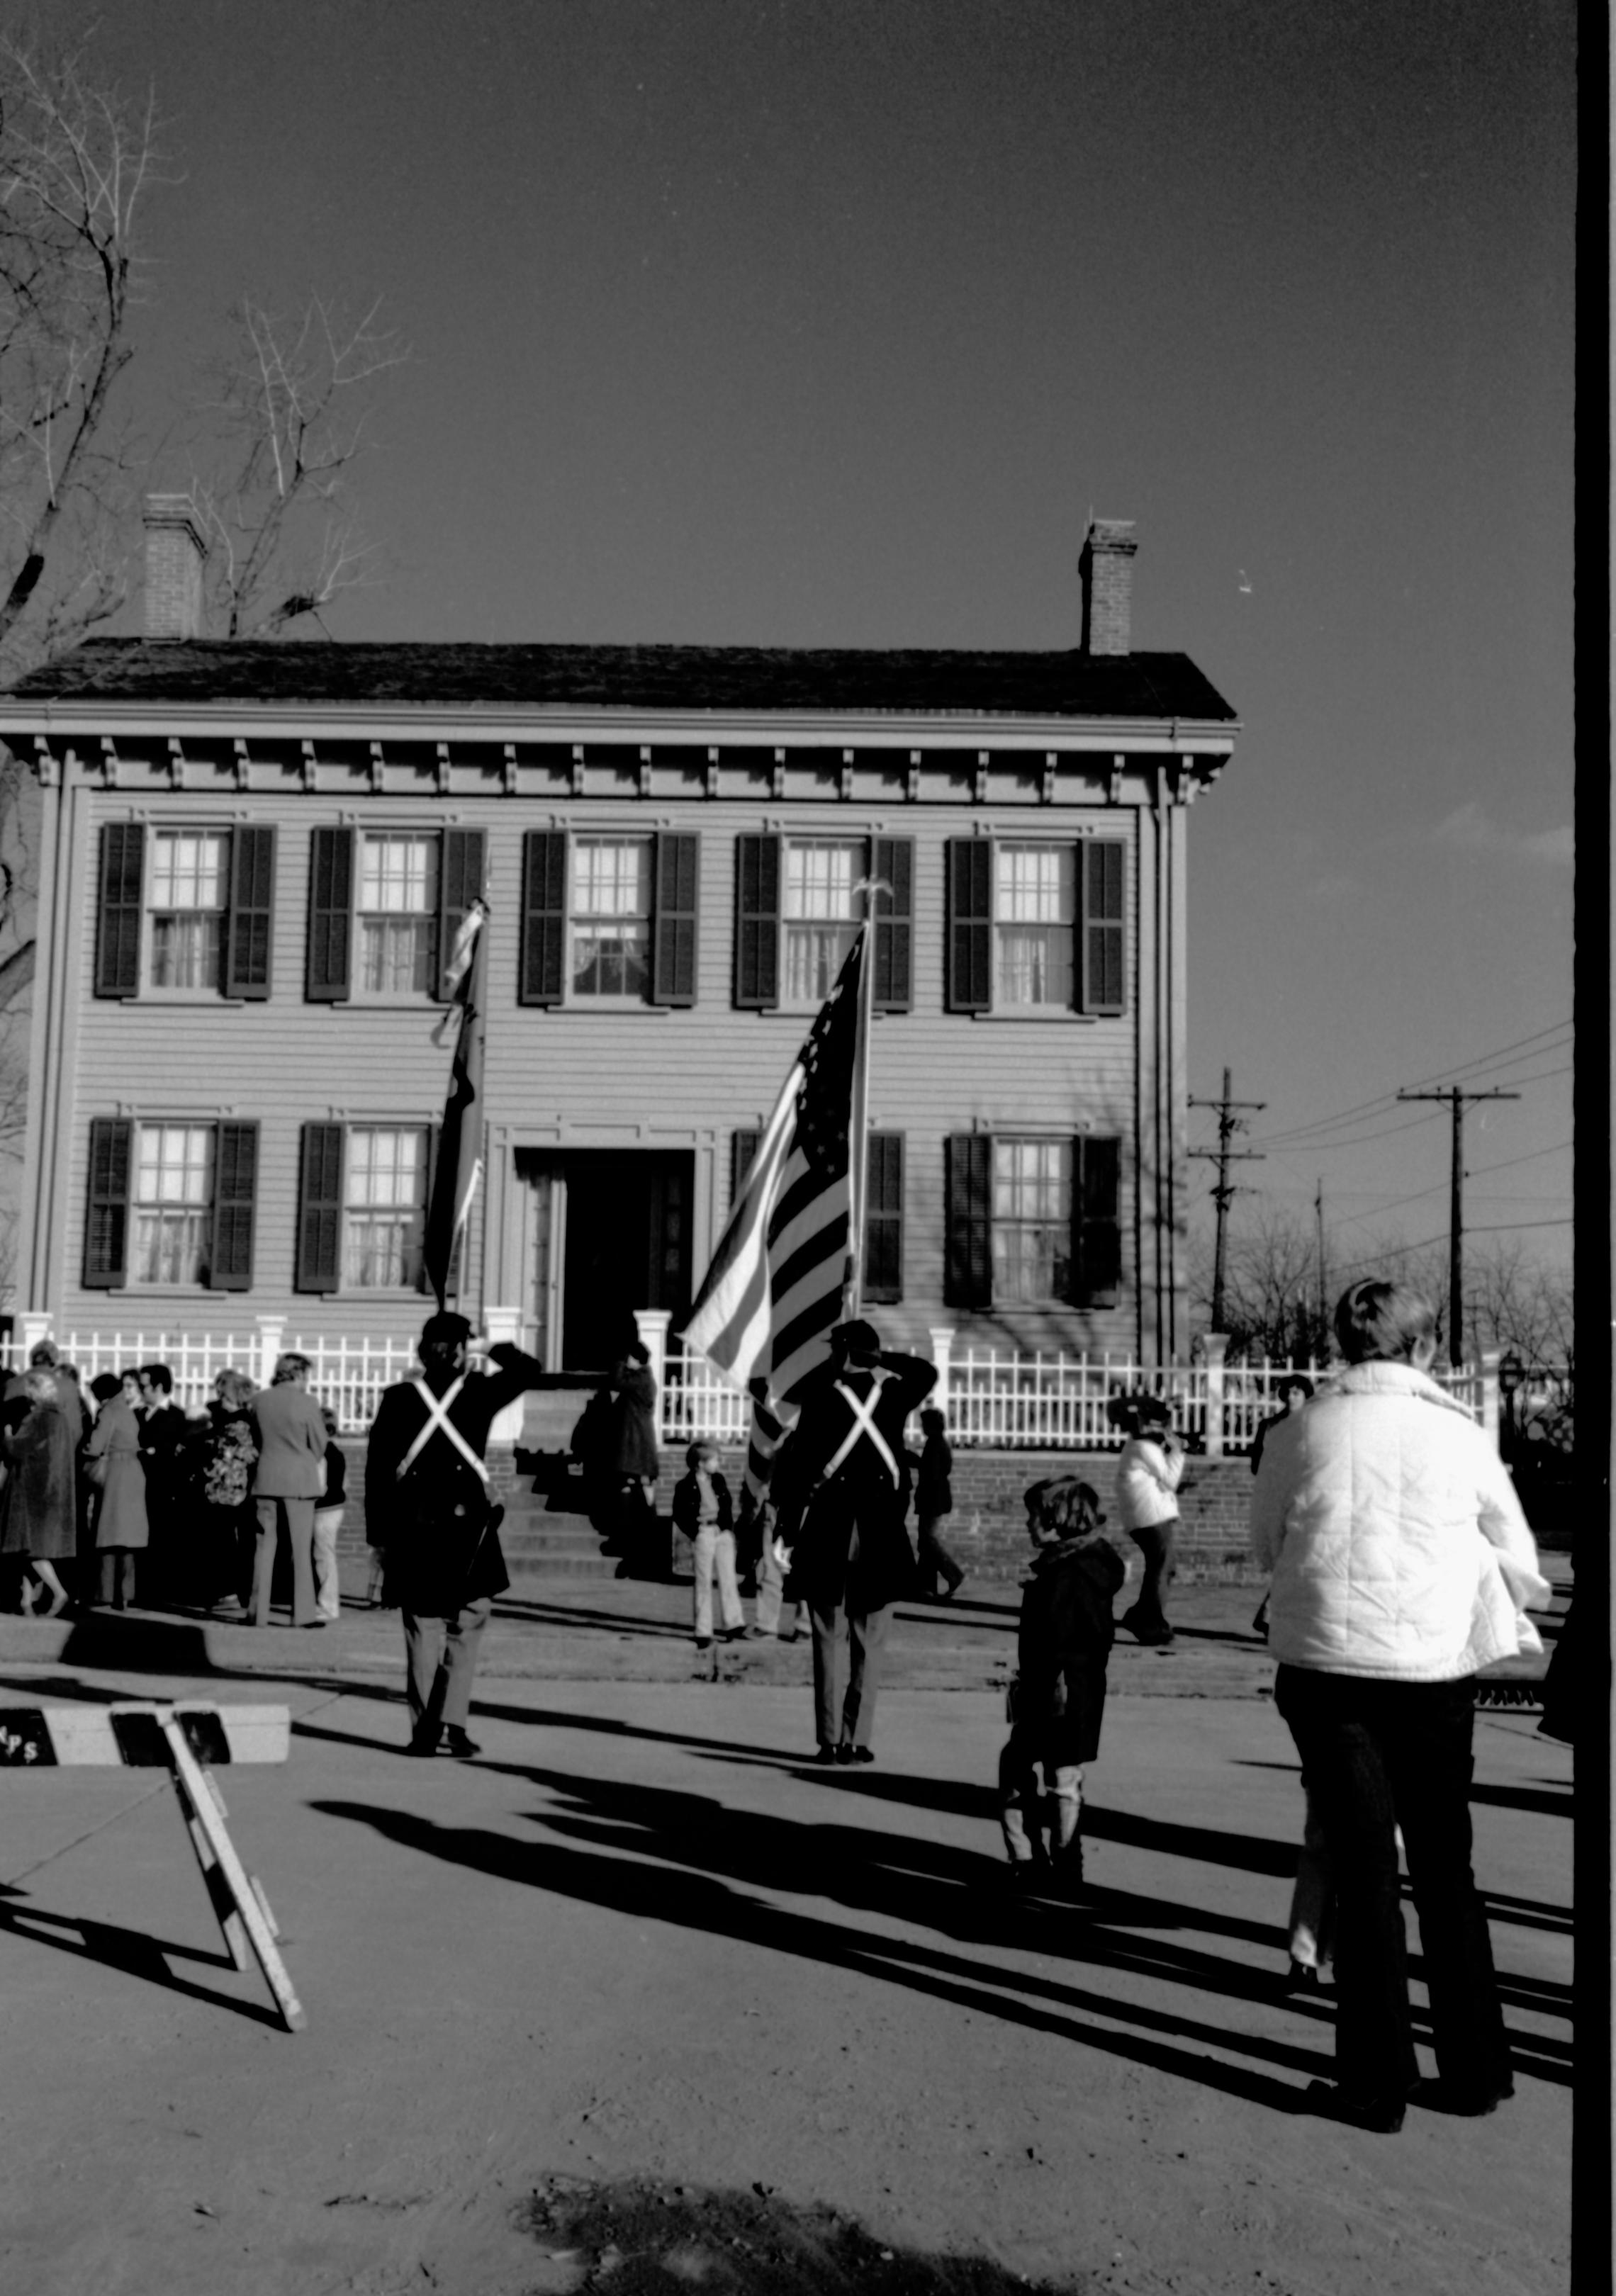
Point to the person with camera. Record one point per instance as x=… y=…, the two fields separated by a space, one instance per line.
x=428 y=1508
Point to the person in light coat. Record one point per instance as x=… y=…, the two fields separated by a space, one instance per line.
x=1399 y=1559
x=289 y=1476
x=1149 y=1473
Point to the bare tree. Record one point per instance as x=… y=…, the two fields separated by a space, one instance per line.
x=278 y=436
x=75 y=163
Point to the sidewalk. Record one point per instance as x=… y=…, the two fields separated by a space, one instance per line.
x=637 y=1630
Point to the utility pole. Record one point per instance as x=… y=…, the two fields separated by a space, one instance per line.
x=1222 y=1192
x=1456 y=1099
x=1318 y=1215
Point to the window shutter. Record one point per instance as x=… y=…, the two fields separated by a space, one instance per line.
x=893 y=986
x=970 y=924
x=673 y=971
x=743 y=1147
x=319 y=1267
x=331 y=916
x=544 y=916
x=460 y=882
x=123 y=852
x=758 y=924
x=247 y=932
x=968 y=1277
x=1102 y=876
x=1097 y=1243
x=884 y=1220
x=235 y=1174
x=106 y=1228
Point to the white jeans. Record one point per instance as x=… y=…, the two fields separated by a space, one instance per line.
x=712 y=1549
x=328 y=1592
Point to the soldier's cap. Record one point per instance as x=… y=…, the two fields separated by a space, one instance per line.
x=445 y=1330
x=855 y=1339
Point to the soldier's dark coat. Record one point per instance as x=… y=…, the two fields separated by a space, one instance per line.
x=434 y=1526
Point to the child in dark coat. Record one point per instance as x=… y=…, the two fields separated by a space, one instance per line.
x=1058 y=1695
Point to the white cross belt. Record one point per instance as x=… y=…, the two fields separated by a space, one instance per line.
x=438 y=1423
x=864 y=1423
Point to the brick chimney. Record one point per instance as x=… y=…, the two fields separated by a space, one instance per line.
x=175 y=552
x=1106 y=569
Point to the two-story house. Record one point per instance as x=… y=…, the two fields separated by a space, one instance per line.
x=253 y=858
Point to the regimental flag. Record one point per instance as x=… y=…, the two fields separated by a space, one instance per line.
x=459 y=1165
x=778 y=1280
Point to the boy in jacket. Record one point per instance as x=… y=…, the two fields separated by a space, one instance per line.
x=703 y=1510
x=1058 y=1696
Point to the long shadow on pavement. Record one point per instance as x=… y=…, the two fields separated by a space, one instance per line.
x=130 y=1950
x=700 y=1901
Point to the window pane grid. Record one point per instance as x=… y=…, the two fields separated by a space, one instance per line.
x=611 y=916
x=820 y=907
x=1035 y=903
x=384 y=1214
x=173 y=1202
x=398 y=876
x=1031 y=1219
x=189 y=872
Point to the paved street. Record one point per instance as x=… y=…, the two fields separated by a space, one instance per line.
x=639 y=1960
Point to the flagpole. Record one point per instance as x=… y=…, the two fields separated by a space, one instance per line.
x=858 y=1125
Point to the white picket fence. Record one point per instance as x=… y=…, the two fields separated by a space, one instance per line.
x=995 y=1399
x=1000 y=1399
x=348 y=1374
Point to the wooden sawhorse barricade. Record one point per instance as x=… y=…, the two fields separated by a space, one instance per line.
x=186 y=1741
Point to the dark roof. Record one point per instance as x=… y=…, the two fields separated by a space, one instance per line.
x=747 y=678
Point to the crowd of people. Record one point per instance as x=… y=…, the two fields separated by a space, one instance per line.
x=119 y=1498
x=1398 y=1557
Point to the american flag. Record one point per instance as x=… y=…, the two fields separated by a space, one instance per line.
x=779 y=1277
x=459 y=1166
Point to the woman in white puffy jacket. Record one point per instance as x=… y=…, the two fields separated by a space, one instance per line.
x=1400 y=1558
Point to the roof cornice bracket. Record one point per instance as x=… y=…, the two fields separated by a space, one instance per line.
x=712 y=773
x=777 y=783
x=979 y=786
x=109 y=762
x=577 y=769
x=45 y=767
x=508 y=769
x=378 y=769
x=845 y=783
x=645 y=778
x=177 y=762
x=912 y=779
x=311 y=771
x=1113 y=785
x=443 y=769
x=1046 y=781
x=243 y=763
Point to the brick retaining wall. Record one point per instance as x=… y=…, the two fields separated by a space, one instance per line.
x=988 y=1528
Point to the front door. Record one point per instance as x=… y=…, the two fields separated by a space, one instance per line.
x=611 y=1233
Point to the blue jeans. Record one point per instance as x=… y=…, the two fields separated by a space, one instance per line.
x=1378 y=1755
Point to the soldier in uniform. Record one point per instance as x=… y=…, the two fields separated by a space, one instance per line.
x=427 y=1507
x=853 y=1555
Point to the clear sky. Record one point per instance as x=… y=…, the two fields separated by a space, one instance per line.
x=801 y=322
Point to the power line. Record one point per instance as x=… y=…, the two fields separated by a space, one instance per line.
x=1384 y=1102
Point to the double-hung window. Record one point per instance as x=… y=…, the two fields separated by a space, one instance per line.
x=362 y=1207
x=800 y=901
x=384 y=907
x=169 y=1204
x=609 y=919
x=1033 y=1220
x=1037 y=925
x=184 y=911
x=397 y=913
x=820 y=912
